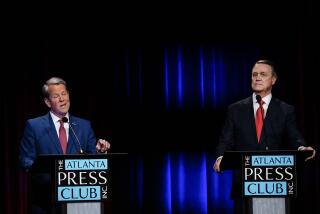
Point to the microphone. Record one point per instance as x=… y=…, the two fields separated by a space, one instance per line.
x=65 y=120
x=258 y=97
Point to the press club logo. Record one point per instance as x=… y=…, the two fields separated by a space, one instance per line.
x=269 y=175
x=81 y=179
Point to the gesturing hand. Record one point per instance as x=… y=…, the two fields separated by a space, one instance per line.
x=103 y=146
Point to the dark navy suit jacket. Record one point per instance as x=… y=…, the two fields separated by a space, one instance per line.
x=239 y=131
x=40 y=137
x=279 y=128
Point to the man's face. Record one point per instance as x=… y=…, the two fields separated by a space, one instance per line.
x=262 y=79
x=58 y=100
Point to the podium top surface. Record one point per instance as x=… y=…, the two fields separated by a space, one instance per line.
x=80 y=156
x=45 y=163
x=233 y=159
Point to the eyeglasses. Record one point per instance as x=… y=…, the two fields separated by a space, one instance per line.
x=58 y=96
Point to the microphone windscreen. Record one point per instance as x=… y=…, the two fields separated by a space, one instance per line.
x=258 y=97
x=65 y=119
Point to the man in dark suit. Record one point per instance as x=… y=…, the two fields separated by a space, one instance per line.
x=279 y=123
x=42 y=136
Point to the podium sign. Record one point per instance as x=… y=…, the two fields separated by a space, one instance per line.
x=268 y=178
x=81 y=183
x=272 y=173
x=81 y=179
x=269 y=175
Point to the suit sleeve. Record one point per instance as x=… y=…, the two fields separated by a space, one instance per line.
x=226 y=139
x=295 y=137
x=27 y=147
x=91 y=141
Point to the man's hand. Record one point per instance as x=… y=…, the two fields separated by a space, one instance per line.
x=102 y=146
x=309 y=148
x=216 y=165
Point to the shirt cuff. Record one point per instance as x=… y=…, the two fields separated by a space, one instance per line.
x=220 y=157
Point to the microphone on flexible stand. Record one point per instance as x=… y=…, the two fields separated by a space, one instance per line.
x=65 y=120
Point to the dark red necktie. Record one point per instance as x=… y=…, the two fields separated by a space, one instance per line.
x=63 y=137
x=259 y=120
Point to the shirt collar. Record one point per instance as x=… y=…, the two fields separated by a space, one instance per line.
x=56 y=119
x=266 y=99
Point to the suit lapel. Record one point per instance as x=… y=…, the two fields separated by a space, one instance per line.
x=51 y=131
x=272 y=108
x=250 y=115
x=266 y=130
x=72 y=142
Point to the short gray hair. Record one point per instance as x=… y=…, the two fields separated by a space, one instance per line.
x=270 y=63
x=52 y=81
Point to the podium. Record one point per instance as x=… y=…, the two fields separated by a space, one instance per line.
x=268 y=178
x=78 y=183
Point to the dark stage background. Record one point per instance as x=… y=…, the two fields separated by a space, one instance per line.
x=156 y=84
